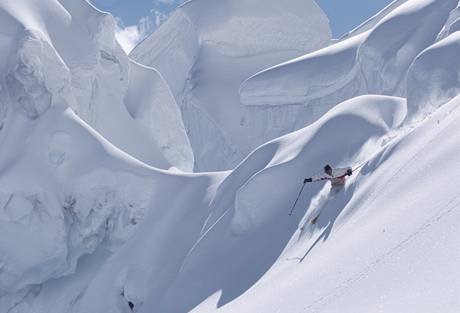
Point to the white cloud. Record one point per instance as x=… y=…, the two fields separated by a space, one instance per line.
x=128 y=37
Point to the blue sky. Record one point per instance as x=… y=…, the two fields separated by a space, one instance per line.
x=138 y=18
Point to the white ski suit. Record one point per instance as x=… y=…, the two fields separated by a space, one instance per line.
x=338 y=177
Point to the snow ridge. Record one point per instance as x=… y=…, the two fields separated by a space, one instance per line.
x=97 y=213
x=206 y=50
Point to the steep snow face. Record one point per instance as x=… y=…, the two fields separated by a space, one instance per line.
x=151 y=104
x=65 y=54
x=452 y=24
x=345 y=131
x=244 y=27
x=65 y=192
x=97 y=210
x=207 y=49
x=327 y=72
x=68 y=194
x=374 y=244
x=60 y=198
x=87 y=227
x=384 y=63
x=373 y=21
x=375 y=61
x=434 y=78
x=249 y=214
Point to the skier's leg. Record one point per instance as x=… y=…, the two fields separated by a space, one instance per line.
x=315 y=206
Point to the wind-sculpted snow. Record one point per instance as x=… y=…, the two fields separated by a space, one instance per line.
x=322 y=74
x=234 y=28
x=70 y=194
x=373 y=21
x=452 y=25
x=434 y=78
x=65 y=192
x=250 y=207
x=151 y=104
x=386 y=54
x=375 y=61
x=207 y=49
x=175 y=49
x=382 y=234
x=60 y=199
x=65 y=54
x=343 y=132
x=38 y=79
x=86 y=226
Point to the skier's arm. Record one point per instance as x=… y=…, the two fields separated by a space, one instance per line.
x=342 y=172
x=316 y=178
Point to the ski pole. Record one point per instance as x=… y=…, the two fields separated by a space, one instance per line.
x=359 y=166
x=300 y=192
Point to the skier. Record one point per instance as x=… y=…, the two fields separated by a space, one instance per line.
x=337 y=176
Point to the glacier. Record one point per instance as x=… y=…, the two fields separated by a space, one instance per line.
x=207 y=49
x=162 y=181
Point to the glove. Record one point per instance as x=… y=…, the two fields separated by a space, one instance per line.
x=349 y=172
x=307 y=180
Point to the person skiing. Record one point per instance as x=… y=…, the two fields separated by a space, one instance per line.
x=337 y=176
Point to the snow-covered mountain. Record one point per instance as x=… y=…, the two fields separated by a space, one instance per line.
x=208 y=48
x=64 y=53
x=99 y=210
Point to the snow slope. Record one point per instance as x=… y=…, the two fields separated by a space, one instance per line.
x=65 y=53
x=65 y=191
x=387 y=243
x=372 y=22
x=255 y=222
x=156 y=263
x=67 y=194
x=452 y=24
x=207 y=49
x=375 y=61
x=86 y=225
x=433 y=79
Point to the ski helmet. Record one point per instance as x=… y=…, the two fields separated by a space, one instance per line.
x=327 y=168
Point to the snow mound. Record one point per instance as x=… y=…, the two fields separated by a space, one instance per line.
x=375 y=243
x=86 y=225
x=234 y=28
x=30 y=83
x=420 y=22
x=374 y=61
x=206 y=50
x=151 y=104
x=318 y=75
x=452 y=25
x=373 y=21
x=343 y=132
x=65 y=54
x=433 y=78
x=62 y=196
x=250 y=214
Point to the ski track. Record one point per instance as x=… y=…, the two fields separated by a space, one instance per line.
x=319 y=304
x=444 y=211
x=369 y=200
x=100 y=210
